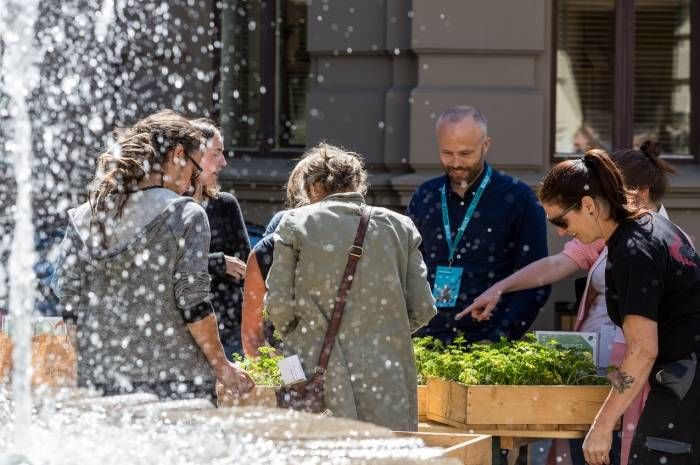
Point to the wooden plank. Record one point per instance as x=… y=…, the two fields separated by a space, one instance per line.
x=541 y=405
x=511 y=438
x=470 y=449
x=436 y=427
x=446 y=401
x=264 y=396
x=547 y=407
x=422 y=391
x=260 y=396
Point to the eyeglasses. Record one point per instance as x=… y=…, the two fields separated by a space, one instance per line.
x=197 y=167
x=560 y=221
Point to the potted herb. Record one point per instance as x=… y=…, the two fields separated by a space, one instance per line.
x=509 y=383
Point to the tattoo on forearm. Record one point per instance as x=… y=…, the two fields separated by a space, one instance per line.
x=620 y=380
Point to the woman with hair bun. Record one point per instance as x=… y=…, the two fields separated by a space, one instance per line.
x=652 y=280
x=371 y=375
x=645 y=173
x=132 y=272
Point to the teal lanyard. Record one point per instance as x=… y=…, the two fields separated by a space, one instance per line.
x=452 y=245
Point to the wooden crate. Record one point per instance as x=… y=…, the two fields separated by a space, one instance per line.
x=260 y=396
x=264 y=396
x=545 y=408
x=470 y=449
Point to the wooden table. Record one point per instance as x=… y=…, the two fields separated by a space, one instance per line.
x=512 y=440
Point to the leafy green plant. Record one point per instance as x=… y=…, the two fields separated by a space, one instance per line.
x=524 y=362
x=262 y=369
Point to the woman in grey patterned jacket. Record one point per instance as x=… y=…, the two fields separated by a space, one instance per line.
x=132 y=274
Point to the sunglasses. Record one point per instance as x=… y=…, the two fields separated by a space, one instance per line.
x=197 y=167
x=560 y=221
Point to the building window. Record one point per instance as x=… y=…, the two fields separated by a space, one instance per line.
x=585 y=72
x=265 y=75
x=662 y=74
x=623 y=75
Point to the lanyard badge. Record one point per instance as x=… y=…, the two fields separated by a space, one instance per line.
x=448 y=278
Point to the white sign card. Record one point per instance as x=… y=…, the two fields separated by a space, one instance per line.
x=291 y=370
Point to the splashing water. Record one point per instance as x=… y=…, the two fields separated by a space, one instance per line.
x=20 y=75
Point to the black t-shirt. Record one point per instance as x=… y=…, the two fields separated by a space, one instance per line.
x=653 y=271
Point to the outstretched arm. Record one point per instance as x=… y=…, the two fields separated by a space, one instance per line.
x=529 y=244
x=544 y=271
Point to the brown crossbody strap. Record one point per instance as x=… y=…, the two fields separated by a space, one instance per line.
x=353 y=257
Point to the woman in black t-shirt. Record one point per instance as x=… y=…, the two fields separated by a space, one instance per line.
x=653 y=293
x=230 y=245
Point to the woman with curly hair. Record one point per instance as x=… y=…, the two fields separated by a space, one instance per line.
x=132 y=273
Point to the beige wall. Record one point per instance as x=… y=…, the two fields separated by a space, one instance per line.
x=387 y=68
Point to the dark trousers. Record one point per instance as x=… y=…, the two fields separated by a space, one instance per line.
x=668 y=432
x=576 y=447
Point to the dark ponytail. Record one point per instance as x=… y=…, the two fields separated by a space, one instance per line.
x=644 y=168
x=593 y=175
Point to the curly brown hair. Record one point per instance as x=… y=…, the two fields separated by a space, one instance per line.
x=136 y=152
x=334 y=169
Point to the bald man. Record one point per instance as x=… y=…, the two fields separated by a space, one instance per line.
x=478 y=226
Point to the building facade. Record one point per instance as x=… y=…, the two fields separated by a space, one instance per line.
x=372 y=75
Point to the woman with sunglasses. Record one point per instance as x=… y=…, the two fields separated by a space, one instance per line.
x=132 y=272
x=652 y=292
x=647 y=175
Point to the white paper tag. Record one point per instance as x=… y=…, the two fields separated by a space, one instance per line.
x=291 y=370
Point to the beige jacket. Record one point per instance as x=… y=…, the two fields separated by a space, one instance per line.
x=372 y=373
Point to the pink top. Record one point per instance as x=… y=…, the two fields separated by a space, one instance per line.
x=584 y=255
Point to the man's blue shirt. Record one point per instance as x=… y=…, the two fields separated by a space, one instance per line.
x=506 y=233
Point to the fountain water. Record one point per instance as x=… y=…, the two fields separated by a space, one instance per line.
x=75 y=428
x=19 y=73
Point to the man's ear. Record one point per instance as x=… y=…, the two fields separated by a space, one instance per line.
x=487 y=144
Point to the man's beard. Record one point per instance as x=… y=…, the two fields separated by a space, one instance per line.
x=467 y=175
x=463 y=177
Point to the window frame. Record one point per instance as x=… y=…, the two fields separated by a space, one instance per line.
x=269 y=39
x=623 y=82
